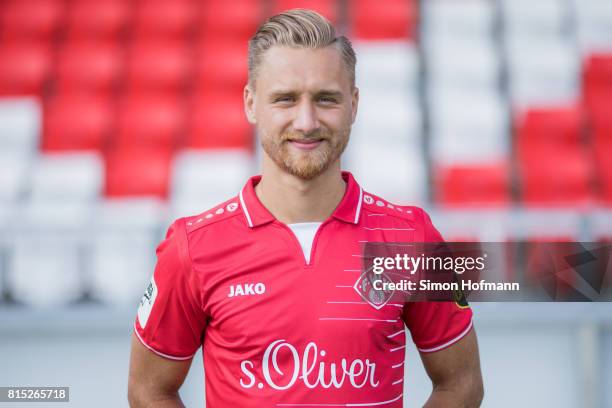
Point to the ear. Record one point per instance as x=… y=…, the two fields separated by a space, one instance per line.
x=355 y=104
x=249 y=104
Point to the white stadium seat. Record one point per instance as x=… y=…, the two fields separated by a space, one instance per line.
x=392 y=117
x=49 y=248
x=20 y=124
x=468 y=66
x=467 y=128
x=594 y=25
x=202 y=179
x=395 y=172
x=67 y=177
x=387 y=65
x=124 y=237
x=14 y=171
x=542 y=19
x=469 y=20
x=543 y=73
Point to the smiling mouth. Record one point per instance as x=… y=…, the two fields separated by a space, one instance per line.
x=305 y=144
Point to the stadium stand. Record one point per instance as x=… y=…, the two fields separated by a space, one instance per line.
x=118 y=116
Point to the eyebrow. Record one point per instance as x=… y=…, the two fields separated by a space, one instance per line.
x=324 y=92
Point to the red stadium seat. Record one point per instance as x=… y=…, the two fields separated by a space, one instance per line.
x=94 y=19
x=559 y=176
x=159 y=66
x=554 y=165
x=218 y=121
x=603 y=151
x=24 y=69
x=481 y=186
x=598 y=86
x=236 y=19
x=150 y=121
x=80 y=122
x=89 y=67
x=377 y=20
x=38 y=19
x=164 y=19
x=138 y=172
x=222 y=66
x=328 y=8
x=551 y=126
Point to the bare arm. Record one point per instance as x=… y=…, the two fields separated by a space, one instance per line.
x=154 y=381
x=455 y=374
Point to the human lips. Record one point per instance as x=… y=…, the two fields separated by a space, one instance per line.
x=305 y=144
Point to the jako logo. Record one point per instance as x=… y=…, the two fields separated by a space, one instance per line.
x=247 y=289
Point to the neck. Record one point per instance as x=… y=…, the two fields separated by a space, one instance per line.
x=292 y=200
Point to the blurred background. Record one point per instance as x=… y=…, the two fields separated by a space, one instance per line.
x=118 y=116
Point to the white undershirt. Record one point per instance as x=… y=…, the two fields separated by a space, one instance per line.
x=305 y=232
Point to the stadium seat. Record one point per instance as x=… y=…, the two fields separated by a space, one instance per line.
x=387 y=66
x=559 y=176
x=554 y=165
x=392 y=19
x=466 y=21
x=124 y=235
x=222 y=66
x=78 y=122
x=218 y=121
x=137 y=172
x=327 y=8
x=202 y=179
x=388 y=117
x=14 y=170
x=164 y=19
x=97 y=20
x=544 y=19
x=473 y=186
x=552 y=126
x=235 y=20
x=66 y=178
x=602 y=149
x=594 y=25
x=158 y=66
x=89 y=67
x=370 y=163
x=25 y=68
x=470 y=67
x=30 y=19
x=20 y=124
x=47 y=247
x=543 y=73
x=597 y=82
x=150 y=120
x=468 y=128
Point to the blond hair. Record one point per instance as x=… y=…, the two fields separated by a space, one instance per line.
x=298 y=28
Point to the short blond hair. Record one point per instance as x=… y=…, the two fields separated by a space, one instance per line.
x=298 y=28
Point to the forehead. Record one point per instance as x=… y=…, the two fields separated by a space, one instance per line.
x=301 y=69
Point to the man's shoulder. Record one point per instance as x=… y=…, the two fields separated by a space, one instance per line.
x=374 y=205
x=218 y=214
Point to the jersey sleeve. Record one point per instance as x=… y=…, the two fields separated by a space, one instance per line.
x=170 y=320
x=435 y=326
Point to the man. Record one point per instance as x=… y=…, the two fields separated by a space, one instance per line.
x=265 y=281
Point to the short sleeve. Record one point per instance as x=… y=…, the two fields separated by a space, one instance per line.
x=435 y=326
x=170 y=320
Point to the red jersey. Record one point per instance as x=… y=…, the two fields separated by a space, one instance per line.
x=277 y=331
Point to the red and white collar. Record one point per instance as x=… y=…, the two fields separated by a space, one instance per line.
x=349 y=209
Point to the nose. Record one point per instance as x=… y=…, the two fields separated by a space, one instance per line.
x=305 y=120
